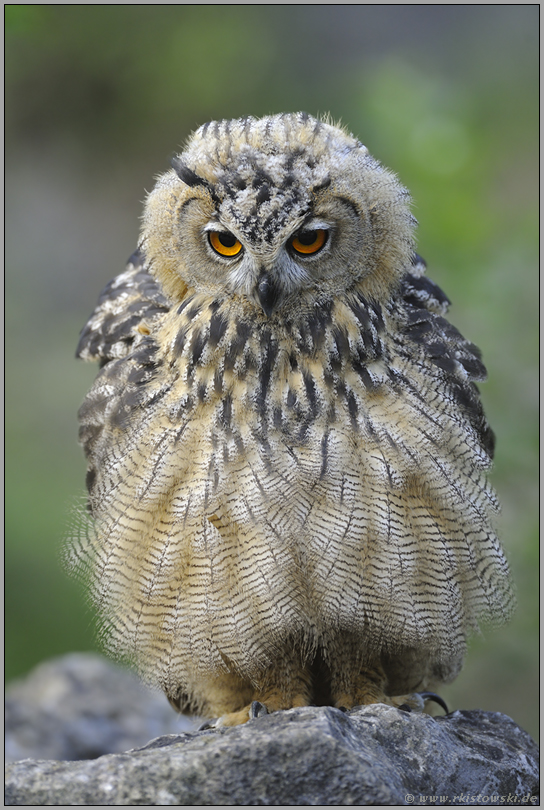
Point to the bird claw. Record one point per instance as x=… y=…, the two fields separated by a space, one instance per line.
x=404 y=707
x=436 y=699
x=417 y=701
x=257 y=709
x=207 y=724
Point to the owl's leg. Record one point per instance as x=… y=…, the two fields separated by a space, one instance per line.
x=368 y=684
x=357 y=685
x=284 y=686
x=212 y=695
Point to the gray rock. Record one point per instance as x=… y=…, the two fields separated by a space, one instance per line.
x=374 y=755
x=81 y=706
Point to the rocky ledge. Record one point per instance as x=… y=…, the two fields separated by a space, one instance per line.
x=374 y=755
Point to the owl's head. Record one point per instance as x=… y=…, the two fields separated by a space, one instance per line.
x=281 y=212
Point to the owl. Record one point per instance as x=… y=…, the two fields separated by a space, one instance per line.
x=287 y=454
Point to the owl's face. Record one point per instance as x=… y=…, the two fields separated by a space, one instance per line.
x=280 y=213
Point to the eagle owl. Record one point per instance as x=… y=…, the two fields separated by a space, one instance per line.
x=286 y=448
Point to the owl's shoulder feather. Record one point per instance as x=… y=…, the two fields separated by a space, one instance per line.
x=126 y=307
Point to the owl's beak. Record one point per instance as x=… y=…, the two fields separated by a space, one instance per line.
x=268 y=293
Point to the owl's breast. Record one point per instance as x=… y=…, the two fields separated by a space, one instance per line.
x=306 y=474
x=279 y=375
x=309 y=401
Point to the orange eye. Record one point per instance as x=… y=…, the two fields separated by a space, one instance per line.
x=308 y=242
x=224 y=243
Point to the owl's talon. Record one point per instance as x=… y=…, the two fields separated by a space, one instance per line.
x=416 y=702
x=257 y=709
x=208 y=724
x=435 y=698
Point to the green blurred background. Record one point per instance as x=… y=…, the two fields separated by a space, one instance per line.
x=99 y=97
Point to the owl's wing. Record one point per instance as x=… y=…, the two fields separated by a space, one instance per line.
x=118 y=335
x=442 y=348
x=126 y=305
x=419 y=291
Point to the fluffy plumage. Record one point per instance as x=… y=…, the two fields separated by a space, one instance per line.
x=287 y=451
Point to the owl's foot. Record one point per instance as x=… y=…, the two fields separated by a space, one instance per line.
x=370 y=686
x=255 y=710
x=365 y=687
x=413 y=702
x=407 y=703
x=265 y=702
